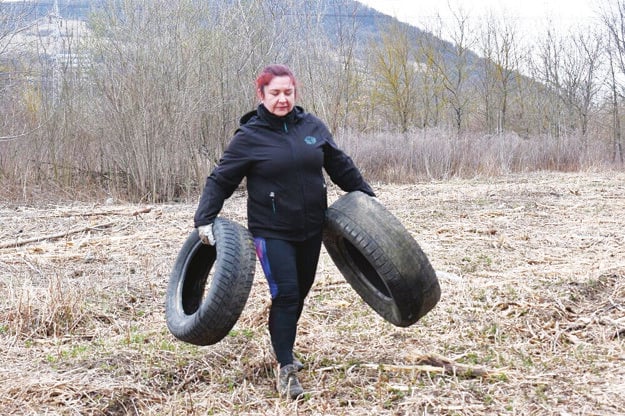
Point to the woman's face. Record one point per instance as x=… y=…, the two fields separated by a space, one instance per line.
x=278 y=96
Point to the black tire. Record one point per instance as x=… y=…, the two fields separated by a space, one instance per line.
x=202 y=307
x=380 y=259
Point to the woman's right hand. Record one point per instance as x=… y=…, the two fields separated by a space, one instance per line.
x=206 y=234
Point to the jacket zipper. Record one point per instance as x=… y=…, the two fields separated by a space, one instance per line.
x=300 y=182
x=272 y=195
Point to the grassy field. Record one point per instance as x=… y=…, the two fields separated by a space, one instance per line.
x=531 y=319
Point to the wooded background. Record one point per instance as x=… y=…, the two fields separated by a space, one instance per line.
x=138 y=101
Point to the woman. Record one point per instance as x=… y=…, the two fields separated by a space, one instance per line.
x=281 y=150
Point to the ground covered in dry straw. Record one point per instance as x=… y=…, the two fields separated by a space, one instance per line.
x=531 y=320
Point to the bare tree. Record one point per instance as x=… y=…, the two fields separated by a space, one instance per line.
x=613 y=16
x=454 y=67
x=15 y=19
x=617 y=134
x=581 y=76
x=327 y=62
x=501 y=65
x=395 y=70
x=149 y=94
x=431 y=87
x=343 y=79
x=546 y=69
x=172 y=80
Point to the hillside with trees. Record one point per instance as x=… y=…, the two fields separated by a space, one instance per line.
x=137 y=99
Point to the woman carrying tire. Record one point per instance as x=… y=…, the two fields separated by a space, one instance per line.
x=282 y=151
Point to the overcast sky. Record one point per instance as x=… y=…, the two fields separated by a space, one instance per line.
x=529 y=15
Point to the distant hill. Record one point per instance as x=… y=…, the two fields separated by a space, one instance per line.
x=369 y=21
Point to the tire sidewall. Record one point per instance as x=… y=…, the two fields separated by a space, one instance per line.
x=360 y=235
x=226 y=268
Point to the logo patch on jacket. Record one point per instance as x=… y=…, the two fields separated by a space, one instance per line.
x=310 y=140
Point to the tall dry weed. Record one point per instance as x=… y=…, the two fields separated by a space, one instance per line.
x=53 y=310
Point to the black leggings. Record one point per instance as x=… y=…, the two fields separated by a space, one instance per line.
x=290 y=268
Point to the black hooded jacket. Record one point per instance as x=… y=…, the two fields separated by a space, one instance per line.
x=282 y=158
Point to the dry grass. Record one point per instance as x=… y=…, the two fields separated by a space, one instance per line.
x=436 y=154
x=531 y=321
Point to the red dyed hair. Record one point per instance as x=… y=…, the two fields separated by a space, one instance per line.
x=269 y=72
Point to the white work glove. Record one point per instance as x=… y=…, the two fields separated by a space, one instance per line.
x=206 y=234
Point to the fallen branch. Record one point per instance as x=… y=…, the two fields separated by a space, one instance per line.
x=393 y=367
x=55 y=236
x=144 y=210
x=451 y=368
x=426 y=364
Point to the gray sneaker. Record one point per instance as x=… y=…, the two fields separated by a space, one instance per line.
x=288 y=384
x=299 y=366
